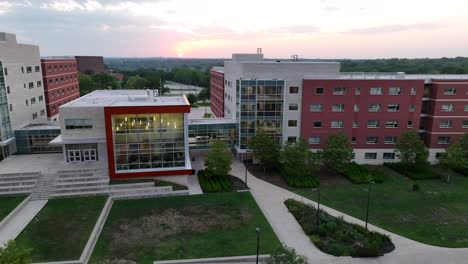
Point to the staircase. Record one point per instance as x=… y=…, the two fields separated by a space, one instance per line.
x=44 y=188
x=18 y=183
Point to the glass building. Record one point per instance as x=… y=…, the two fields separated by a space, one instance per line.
x=5 y=125
x=259 y=106
x=36 y=138
x=203 y=133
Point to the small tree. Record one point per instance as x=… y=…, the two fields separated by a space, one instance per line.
x=411 y=148
x=286 y=255
x=297 y=161
x=192 y=98
x=135 y=82
x=464 y=145
x=265 y=148
x=10 y=253
x=219 y=160
x=452 y=159
x=338 y=151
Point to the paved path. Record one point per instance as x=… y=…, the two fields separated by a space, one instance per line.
x=17 y=223
x=270 y=198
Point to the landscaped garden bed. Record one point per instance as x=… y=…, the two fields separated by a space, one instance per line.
x=202 y=226
x=157 y=183
x=8 y=204
x=414 y=171
x=337 y=237
x=61 y=229
x=359 y=174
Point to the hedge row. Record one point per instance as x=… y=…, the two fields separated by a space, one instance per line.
x=211 y=183
x=359 y=174
x=414 y=171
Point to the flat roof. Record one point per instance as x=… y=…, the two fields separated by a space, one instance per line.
x=40 y=127
x=391 y=76
x=109 y=98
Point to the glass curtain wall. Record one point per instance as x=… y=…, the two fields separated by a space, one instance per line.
x=148 y=141
x=202 y=136
x=5 y=126
x=259 y=107
x=36 y=141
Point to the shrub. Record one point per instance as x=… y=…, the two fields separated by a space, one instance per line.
x=415 y=187
x=416 y=171
x=209 y=183
x=286 y=256
x=359 y=174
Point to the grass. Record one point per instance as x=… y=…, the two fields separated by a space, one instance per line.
x=8 y=204
x=437 y=214
x=61 y=229
x=202 y=226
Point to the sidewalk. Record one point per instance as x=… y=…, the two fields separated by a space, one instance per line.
x=270 y=198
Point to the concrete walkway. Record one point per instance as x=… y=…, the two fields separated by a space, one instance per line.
x=271 y=199
x=20 y=220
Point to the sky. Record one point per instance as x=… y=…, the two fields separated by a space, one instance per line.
x=328 y=29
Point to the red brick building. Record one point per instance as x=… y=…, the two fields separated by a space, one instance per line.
x=60 y=77
x=217 y=92
x=91 y=64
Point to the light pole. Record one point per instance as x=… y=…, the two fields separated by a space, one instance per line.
x=245 y=166
x=258 y=242
x=317 y=190
x=368 y=202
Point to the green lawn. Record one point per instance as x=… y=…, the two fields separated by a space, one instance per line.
x=202 y=226
x=8 y=204
x=62 y=228
x=437 y=214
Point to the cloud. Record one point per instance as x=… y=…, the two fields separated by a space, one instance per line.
x=393 y=28
x=8 y=6
x=331 y=8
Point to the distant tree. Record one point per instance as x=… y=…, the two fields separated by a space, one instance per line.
x=453 y=158
x=204 y=94
x=105 y=81
x=265 y=148
x=411 y=149
x=338 y=151
x=12 y=254
x=464 y=145
x=86 y=83
x=219 y=160
x=135 y=82
x=192 y=98
x=297 y=161
x=286 y=255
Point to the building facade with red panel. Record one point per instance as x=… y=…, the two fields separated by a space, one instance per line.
x=133 y=133
x=217 y=92
x=60 y=78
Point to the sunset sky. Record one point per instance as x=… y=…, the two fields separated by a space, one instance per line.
x=208 y=28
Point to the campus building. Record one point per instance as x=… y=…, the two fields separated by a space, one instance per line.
x=91 y=65
x=60 y=77
x=293 y=98
x=133 y=132
x=22 y=99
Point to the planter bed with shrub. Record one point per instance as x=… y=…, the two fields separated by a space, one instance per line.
x=414 y=171
x=303 y=182
x=210 y=183
x=337 y=237
x=359 y=174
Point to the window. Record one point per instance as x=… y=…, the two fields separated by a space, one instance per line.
x=34 y=116
x=31 y=85
x=56 y=80
x=316 y=108
x=51 y=82
x=338 y=108
x=37 y=69
x=393 y=108
x=353 y=140
x=292 y=123
x=24 y=85
x=42 y=112
x=372 y=140
x=39 y=84
x=356 y=108
x=33 y=100
x=376 y=91
x=49 y=69
x=22 y=69
x=11 y=107
x=413 y=91
x=29 y=70
x=8 y=89
x=292 y=139
x=390 y=140
x=394 y=91
x=317 y=124
x=411 y=108
x=443 y=140
x=293 y=90
x=357 y=91
x=78 y=123
x=339 y=91
x=27 y=102
x=53 y=108
x=410 y=124
x=445 y=124
x=391 y=124
x=373 y=124
x=375 y=107
x=370 y=155
x=388 y=156
x=465 y=124
x=450 y=91
x=314 y=140
x=337 y=124
x=355 y=124
x=319 y=91
x=466 y=108
x=448 y=108
x=292 y=107
x=41 y=98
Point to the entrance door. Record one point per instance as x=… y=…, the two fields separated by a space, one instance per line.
x=89 y=155
x=74 y=155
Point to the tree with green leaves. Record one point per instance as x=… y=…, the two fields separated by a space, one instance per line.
x=87 y=84
x=192 y=98
x=464 y=145
x=286 y=255
x=453 y=158
x=265 y=149
x=105 y=81
x=12 y=254
x=135 y=82
x=411 y=148
x=219 y=160
x=298 y=162
x=338 y=150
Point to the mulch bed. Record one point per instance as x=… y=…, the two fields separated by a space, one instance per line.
x=237 y=184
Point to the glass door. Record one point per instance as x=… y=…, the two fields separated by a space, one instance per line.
x=74 y=155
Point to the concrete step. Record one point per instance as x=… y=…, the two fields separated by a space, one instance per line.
x=16 y=192
x=84 y=174
x=15 y=183
x=81 y=189
x=20 y=174
x=91 y=170
x=117 y=192
x=149 y=195
x=4 y=178
x=17 y=187
x=131 y=185
x=64 y=185
x=81 y=178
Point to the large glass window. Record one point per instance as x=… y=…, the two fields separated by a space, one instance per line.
x=146 y=141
